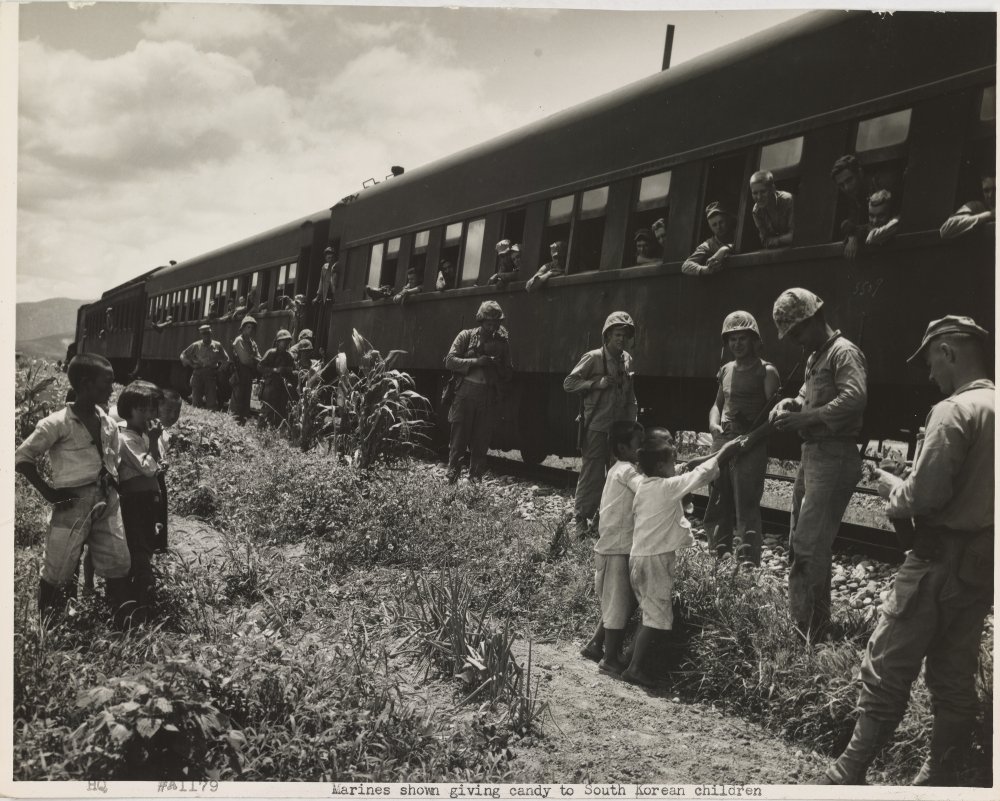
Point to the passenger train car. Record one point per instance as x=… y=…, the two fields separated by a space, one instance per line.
x=912 y=95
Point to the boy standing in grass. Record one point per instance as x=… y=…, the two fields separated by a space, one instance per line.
x=661 y=530
x=82 y=443
x=169 y=413
x=139 y=485
x=611 y=580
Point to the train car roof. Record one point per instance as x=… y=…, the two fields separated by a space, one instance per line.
x=805 y=68
x=139 y=279
x=175 y=274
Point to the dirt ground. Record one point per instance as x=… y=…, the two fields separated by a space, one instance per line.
x=599 y=729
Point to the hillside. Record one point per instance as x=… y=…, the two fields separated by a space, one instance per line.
x=46 y=327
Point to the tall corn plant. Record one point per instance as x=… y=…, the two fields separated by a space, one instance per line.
x=35 y=395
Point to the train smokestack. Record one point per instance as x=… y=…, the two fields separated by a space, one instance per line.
x=668 y=47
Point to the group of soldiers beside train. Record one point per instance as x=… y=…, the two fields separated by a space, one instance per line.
x=942 y=593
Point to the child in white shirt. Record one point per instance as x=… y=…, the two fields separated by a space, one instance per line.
x=611 y=581
x=660 y=531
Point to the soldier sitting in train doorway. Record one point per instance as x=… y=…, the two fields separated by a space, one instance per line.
x=773 y=211
x=204 y=356
x=508 y=264
x=479 y=358
x=603 y=378
x=975 y=214
x=550 y=269
x=709 y=257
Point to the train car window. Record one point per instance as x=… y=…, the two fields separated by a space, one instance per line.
x=780 y=156
x=513 y=225
x=418 y=257
x=451 y=249
x=652 y=203
x=558 y=224
x=375 y=264
x=988 y=104
x=389 y=263
x=473 y=253
x=290 y=280
x=276 y=302
x=725 y=183
x=884 y=131
x=979 y=150
x=588 y=232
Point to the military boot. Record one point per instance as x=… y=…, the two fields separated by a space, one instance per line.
x=950 y=739
x=869 y=736
x=123 y=605
x=51 y=599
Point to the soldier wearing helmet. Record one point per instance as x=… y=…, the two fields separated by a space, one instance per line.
x=278 y=368
x=748 y=385
x=508 y=264
x=246 y=357
x=479 y=358
x=603 y=379
x=709 y=256
x=827 y=414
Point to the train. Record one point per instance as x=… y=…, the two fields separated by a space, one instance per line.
x=911 y=94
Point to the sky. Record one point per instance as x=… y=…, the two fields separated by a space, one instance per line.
x=149 y=132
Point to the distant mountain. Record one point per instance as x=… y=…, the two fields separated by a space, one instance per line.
x=46 y=317
x=45 y=327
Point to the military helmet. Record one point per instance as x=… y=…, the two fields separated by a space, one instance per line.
x=248 y=320
x=503 y=246
x=282 y=335
x=305 y=333
x=304 y=345
x=739 y=321
x=792 y=307
x=618 y=318
x=489 y=309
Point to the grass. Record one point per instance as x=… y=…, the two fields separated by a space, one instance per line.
x=359 y=625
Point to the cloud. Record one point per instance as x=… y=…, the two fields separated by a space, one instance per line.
x=216 y=26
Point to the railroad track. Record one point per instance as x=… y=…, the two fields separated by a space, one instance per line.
x=874 y=542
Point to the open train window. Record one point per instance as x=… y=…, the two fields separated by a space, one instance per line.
x=558 y=223
x=588 y=232
x=418 y=256
x=652 y=203
x=782 y=160
x=881 y=146
x=451 y=250
x=979 y=150
x=513 y=225
x=725 y=183
x=390 y=260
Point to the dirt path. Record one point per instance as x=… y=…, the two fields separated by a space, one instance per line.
x=601 y=730
x=604 y=730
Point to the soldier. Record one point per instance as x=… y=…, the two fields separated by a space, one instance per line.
x=550 y=269
x=246 y=356
x=445 y=276
x=327 y=277
x=773 y=211
x=644 y=247
x=944 y=588
x=709 y=256
x=480 y=358
x=747 y=386
x=974 y=214
x=507 y=268
x=827 y=415
x=278 y=368
x=604 y=379
x=204 y=357
x=883 y=224
x=414 y=281
x=855 y=188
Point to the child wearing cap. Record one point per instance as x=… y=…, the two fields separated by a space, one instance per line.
x=660 y=531
x=611 y=553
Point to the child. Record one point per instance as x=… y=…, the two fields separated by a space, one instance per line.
x=138 y=405
x=611 y=579
x=660 y=531
x=169 y=413
x=83 y=445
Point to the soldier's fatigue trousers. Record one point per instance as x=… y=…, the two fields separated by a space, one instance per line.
x=828 y=474
x=472 y=415
x=93 y=517
x=239 y=403
x=934 y=610
x=595 y=456
x=204 y=387
x=742 y=478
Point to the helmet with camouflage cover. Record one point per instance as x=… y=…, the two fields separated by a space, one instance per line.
x=792 y=307
x=282 y=335
x=739 y=321
x=489 y=309
x=618 y=318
